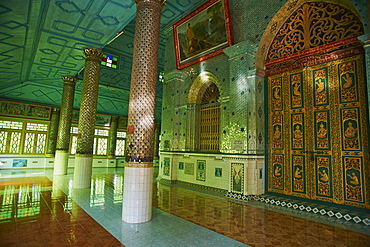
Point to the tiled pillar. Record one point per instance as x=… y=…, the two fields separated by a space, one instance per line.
x=87 y=118
x=64 y=128
x=112 y=138
x=137 y=197
x=53 y=133
x=156 y=140
x=243 y=108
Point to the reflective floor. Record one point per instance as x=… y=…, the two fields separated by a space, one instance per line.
x=37 y=209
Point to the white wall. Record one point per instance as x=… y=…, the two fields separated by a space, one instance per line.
x=253 y=182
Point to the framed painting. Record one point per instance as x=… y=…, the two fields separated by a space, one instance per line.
x=201 y=170
x=203 y=33
x=167 y=166
x=237 y=177
x=20 y=163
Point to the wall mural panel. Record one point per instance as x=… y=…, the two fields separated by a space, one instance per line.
x=237 y=177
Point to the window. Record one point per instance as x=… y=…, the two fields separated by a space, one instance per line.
x=209 y=120
x=100 y=141
x=120 y=144
x=109 y=61
x=22 y=137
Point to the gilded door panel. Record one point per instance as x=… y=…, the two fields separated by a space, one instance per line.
x=298 y=127
x=354 y=131
x=276 y=133
x=318 y=133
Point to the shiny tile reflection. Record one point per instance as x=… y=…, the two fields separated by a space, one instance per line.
x=59 y=215
x=32 y=215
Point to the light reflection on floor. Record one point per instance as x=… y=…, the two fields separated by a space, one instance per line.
x=103 y=202
x=181 y=217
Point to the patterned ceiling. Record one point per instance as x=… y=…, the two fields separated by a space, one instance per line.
x=42 y=40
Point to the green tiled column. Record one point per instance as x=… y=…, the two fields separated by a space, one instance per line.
x=112 y=138
x=53 y=133
x=87 y=118
x=64 y=128
x=137 y=205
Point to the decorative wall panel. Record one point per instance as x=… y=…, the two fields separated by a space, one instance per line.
x=325 y=132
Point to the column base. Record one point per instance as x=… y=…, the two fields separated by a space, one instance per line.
x=82 y=172
x=61 y=162
x=137 y=196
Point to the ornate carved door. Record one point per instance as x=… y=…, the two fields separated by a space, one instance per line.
x=318 y=132
x=317 y=110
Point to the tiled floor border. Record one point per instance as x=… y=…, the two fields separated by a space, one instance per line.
x=300 y=206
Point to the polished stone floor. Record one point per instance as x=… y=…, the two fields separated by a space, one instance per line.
x=38 y=209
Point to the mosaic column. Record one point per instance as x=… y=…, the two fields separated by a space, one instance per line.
x=156 y=140
x=64 y=128
x=366 y=41
x=112 y=138
x=242 y=105
x=137 y=198
x=53 y=133
x=87 y=118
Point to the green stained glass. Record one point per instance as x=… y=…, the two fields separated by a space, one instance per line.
x=102 y=146
x=114 y=66
x=120 y=147
x=37 y=127
x=74 y=145
x=11 y=125
x=104 y=63
x=15 y=141
x=28 y=142
x=115 y=59
x=3 y=139
x=41 y=142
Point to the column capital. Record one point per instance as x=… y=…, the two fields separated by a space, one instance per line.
x=161 y=2
x=93 y=53
x=69 y=79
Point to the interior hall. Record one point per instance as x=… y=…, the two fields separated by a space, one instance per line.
x=184 y=123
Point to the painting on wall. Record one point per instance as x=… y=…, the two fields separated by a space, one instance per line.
x=189 y=168
x=203 y=33
x=218 y=172
x=181 y=165
x=166 y=167
x=20 y=163
x=237 y=177
x=201 y=170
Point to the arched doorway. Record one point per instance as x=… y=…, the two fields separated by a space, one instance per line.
x=317 y=121
x=203 y=114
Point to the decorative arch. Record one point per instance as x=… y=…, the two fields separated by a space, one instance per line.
x=200 y=85
x=282 y=17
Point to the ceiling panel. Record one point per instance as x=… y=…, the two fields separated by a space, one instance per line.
x=41 y=41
